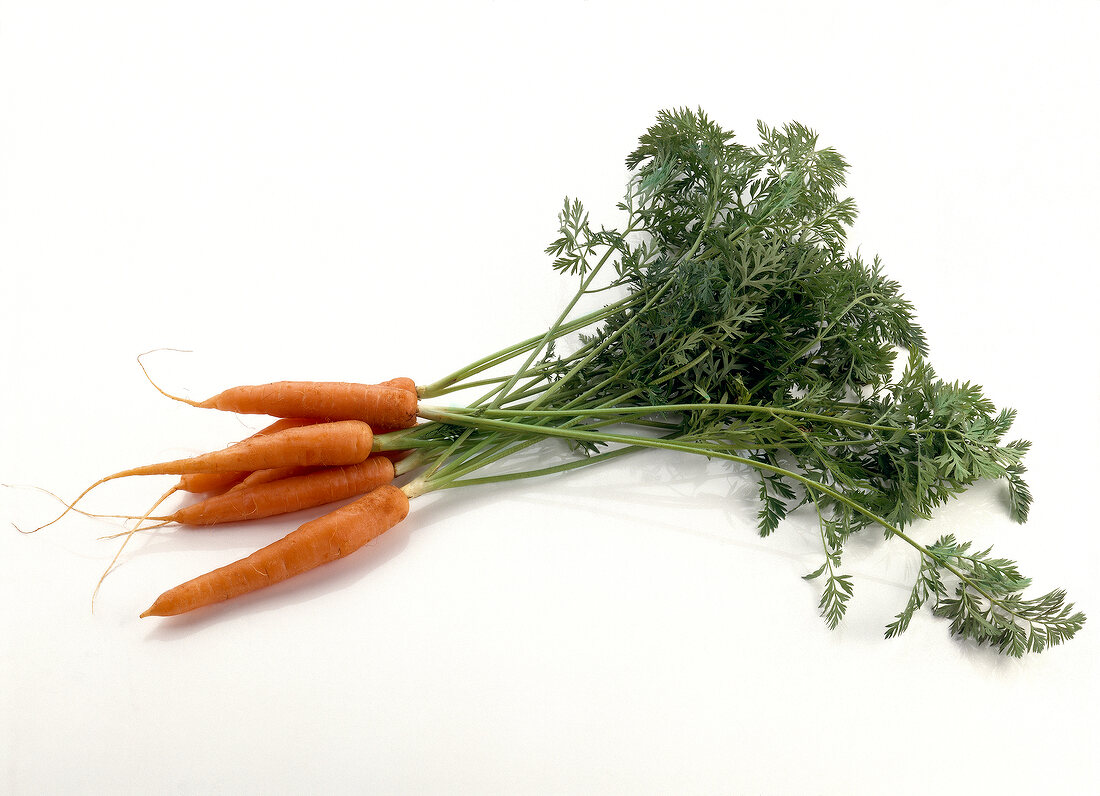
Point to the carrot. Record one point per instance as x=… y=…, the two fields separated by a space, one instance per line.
x=249 y=501
x=317 y=542
x=339 y=443
x=391 y=404
x=126 y=541
x=377 y=404
x=271 y=474
x=219 y=482
x=392 y=407
x=210 y=482
x=288 y=494
x=401 y=382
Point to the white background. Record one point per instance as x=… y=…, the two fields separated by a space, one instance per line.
x=347 y=192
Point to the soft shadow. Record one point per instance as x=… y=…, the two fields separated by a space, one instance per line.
x=625 y=490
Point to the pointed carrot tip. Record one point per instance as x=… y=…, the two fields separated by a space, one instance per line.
x=156 y=609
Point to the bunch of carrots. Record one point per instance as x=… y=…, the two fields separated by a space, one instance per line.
x=334 y=441
x=323 y=450
x=741 y=330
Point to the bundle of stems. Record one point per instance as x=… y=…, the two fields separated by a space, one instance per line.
x=748 y=334
x=741 y=329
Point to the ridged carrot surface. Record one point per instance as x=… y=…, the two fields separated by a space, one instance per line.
x=402 y=382
x=219 y=482
x=382 y=406
x=338 y=443
x=271 y=474
x=317 y=542
x=210 y=482
x=288 y=494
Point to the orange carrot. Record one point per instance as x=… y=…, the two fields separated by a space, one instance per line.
x=288 y=494
x=271 y=474
x=391 y=407
x=219 y=482
x=328 y=444
x=126 y=541
x=210 y=482
x=340 y=442
x=258 y=499
x=317 y=542
x=401 y=382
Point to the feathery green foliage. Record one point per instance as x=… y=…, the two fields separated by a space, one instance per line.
x=747 y=332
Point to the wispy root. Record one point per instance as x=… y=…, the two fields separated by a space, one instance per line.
x=126 y=540
x=69 y=506
x=156 y=386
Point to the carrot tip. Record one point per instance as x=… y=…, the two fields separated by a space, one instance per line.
x=156 y=609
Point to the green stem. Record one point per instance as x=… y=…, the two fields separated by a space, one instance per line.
x=499 y=451
x=557 y=386
x=673 y=445
x=551 y=333
x=671 y=408
x=479 y=366
x=560 y=468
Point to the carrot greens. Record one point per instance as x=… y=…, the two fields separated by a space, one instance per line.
x=741 y=329
x=736 y=325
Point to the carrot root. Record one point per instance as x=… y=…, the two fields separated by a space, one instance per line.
x=322 y=444
x=162 y=522
x=93 y=514
x=289 y=494
x=126 y=541
x=220 y=482
x=318 y=542
x=70 y=506
x=328 y=444
x=380 y=405
x=156 y=386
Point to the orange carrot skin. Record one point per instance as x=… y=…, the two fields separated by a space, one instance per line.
x=383 y=406
x=317 y=542
x=401 y=382
x=219 y=482
x=329 y=444
x=289 y=494
x=210 y=482
x=272 y=474
x=283 y=424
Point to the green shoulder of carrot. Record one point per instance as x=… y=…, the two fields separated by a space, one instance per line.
x=738 y=327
